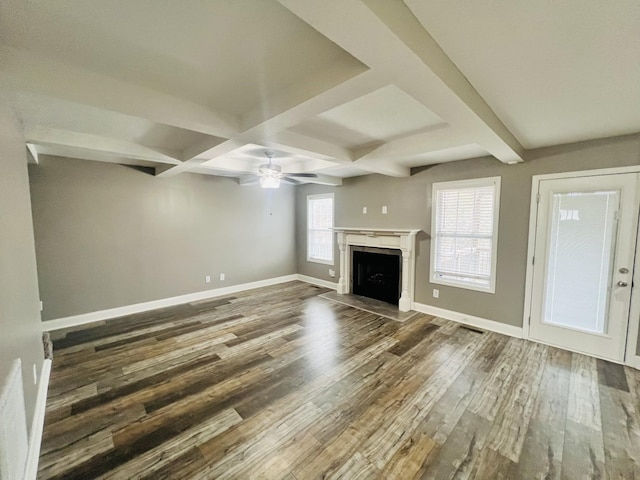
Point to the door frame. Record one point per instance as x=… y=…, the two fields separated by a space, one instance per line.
x=630 y=357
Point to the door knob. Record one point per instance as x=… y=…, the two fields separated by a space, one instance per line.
x=622 y=284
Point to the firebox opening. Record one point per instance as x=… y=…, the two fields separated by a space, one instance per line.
x=376 y=273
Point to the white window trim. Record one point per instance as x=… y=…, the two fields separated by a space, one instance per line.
x=476 y=182
x=321 y=196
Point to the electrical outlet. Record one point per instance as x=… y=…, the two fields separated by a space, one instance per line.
x=436 y=293
x=35 y=374
x=41 y=305
x=332 y=273
x=222 y=276
x=207 y=279
x=384 y=210
x=364 y=210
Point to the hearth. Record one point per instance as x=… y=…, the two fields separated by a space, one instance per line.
x=376 y=273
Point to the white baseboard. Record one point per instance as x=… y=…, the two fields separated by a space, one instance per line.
x=72 y=321
x=318 y=282
x=471 y=320
x=37 y=425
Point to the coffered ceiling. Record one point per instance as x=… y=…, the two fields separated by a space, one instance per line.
x=337 y=88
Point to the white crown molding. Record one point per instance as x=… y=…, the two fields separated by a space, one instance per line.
x=110 y=313
x=471 y=320
x=37 y=425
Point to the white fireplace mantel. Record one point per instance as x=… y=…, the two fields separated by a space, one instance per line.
x=398 y=238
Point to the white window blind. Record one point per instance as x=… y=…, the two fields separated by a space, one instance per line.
x=465 y=233
x=319 y=224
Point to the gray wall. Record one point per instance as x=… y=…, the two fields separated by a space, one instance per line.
x=409 y=206
x=110 y=236
x=20 y=327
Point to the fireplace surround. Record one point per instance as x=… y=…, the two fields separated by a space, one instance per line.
x=384 y=238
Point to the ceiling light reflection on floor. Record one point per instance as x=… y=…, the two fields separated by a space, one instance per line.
x=320 y=323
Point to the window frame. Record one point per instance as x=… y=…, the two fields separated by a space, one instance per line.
x=460 y=185
x=321 y=196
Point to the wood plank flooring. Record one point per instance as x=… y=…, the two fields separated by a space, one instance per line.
x=278 y=383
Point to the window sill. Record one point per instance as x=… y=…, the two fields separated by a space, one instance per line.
x=319 y=260
x=465 y=286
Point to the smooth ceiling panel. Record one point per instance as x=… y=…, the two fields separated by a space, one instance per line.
x=230 y=55
x=554 y=72
x=380 y=116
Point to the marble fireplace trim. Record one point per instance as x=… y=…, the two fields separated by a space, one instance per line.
x=397 y=238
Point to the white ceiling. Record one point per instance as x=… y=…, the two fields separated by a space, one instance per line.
x=336 y=88
x=375 y=118
x=554 y=72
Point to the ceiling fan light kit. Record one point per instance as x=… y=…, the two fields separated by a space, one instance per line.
x=269 y=182
x=270 y=174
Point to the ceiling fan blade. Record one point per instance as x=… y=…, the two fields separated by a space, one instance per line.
x=292 y=181
x=302 y=175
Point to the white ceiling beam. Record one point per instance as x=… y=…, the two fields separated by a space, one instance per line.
x=32 y=154
x=323 y=180
x=214 y=172
x=269 y=131
x=51 y=137
x=476 y=116
x=419 y=143
x=384 y=168
x=319 y=180
x=295 y=104
x=94 y=155
x=29 y=72
x=240 y=166
x=307 y=146
x=392 y=42
x=215 y=151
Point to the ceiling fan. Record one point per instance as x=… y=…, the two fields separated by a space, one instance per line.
x=271 y=174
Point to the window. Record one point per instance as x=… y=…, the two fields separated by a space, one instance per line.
x=464 y=231
x=319 y=224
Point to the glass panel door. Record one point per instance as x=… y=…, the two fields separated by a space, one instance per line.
x=583 y=261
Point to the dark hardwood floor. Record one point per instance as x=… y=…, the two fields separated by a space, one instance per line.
x=279 y=383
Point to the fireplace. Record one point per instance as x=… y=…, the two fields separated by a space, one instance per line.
x=399 y=239
x=376 y=273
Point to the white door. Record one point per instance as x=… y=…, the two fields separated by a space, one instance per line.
x=583 y=263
